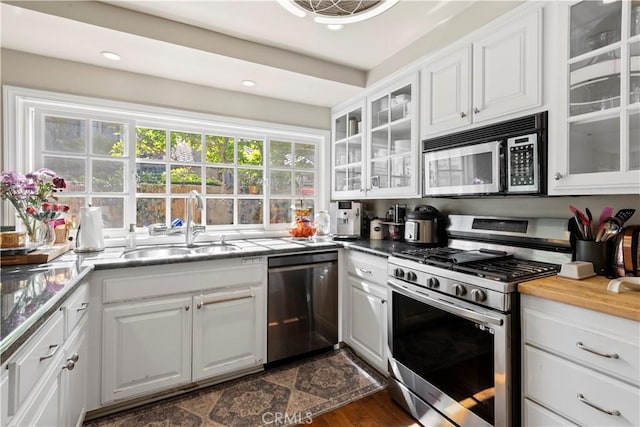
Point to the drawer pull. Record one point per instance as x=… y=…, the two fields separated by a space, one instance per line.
x=69 y=365
x=53 y=347
x=363 y=270
x=584 y=400
x=74 y=358
x=232 y=296
x=83 y=306
x=599 y=353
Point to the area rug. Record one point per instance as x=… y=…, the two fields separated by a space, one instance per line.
x=285 y=396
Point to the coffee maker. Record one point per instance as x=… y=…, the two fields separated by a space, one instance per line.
x=346 y=219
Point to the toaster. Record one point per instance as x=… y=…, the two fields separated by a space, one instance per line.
x=626 y=258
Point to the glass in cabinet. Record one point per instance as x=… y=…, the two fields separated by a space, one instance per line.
x=348 y=151
x=391 y=158
x=601 y=113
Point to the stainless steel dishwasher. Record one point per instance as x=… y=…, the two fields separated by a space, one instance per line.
x=302 y=304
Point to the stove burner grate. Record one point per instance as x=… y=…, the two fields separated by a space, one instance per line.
x=508 y=270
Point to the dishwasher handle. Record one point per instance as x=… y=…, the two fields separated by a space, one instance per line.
x=300 y=267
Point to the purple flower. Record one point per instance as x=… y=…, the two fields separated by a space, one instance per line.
x=59 y=182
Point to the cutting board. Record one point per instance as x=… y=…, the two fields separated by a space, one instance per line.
x=39 y=256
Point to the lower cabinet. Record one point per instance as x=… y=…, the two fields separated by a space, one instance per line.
x=365 y=307
x=153 y=342
x=367 y=329
x=147 y=346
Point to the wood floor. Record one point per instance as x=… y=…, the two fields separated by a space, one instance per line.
x=376 y=410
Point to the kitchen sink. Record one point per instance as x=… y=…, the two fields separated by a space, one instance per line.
x=214 y=249
x=166 y=251
x=158 y=252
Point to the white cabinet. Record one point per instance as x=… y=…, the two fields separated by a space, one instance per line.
x=375 y=144
x=167 y=326
x=227 y=331
x=499 y=73
x=46 y=379
x=597 y=143
x=147 y=346
x=578 y=365
x=366 y=308
x=348 y=151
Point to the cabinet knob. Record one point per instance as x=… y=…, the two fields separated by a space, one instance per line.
x=558 y=176
x=463 y=114
x=383 y=301
x=476 y=110
x=70 y=365
x=75 y=357
x=186 y=308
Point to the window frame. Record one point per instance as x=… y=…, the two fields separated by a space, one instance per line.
x=24 y=107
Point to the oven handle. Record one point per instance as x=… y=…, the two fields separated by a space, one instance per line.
x=447 y=306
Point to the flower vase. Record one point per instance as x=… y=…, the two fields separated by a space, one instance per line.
x=46 y=234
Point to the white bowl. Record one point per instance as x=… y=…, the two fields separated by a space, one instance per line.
x=577 y=270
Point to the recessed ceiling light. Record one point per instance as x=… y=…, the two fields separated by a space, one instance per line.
x=248 y=83
x=110 y=55
x=335 y=27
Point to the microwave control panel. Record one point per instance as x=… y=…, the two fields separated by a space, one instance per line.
x=522 y=162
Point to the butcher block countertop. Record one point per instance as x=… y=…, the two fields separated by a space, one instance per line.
x=588 y=293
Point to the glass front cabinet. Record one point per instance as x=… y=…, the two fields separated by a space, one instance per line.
x=599 y=138
x=375 y=145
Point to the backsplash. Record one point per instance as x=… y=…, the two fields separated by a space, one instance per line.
x=536 y=207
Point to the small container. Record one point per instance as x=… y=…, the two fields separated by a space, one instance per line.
x=130 y=242
x=13 y=239
x=323 y=225
x=597 y=253
x=577 y=270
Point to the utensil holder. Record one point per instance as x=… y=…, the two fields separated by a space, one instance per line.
x=597 y=253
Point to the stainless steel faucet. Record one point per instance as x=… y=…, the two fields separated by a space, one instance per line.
x=191 y=231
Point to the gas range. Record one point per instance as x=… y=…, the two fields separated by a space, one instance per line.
x=486 y=258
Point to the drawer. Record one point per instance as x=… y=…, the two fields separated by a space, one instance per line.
x=32 y=361
x=75 y=307
x=597 y=349
x=369 y=267
x=578 y=393
x=537 y=416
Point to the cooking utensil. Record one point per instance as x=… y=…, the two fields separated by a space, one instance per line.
x=590 y=218
x=582 y=220
x=624 y=214
x=611 y=227
x=604 y=214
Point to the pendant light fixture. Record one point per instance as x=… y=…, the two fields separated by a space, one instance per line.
x=337 y=12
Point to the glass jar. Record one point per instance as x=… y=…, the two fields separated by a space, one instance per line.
x=322 y=222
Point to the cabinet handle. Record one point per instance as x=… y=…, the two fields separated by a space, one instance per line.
x=363 y=270
x=69 y=365
x=463 y=114
x=74 y=358
x=53 y=347
x=476 y=110
x=246 y=294
x=599 y=353
x=558 y=176
x=83 y=306
x=383 y=301
x=186 y=308
x=584 y=400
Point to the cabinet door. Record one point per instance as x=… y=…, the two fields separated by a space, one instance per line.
x=367 y=330
x=507 y=69
x=348 y=152
x=45 y=410
x=597 y=148
x=75 y=379
x=392 y=143
x=446 y=92
x=146 y=347
x=228 y=331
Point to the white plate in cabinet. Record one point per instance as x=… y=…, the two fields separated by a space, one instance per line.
x=600 y=350
x=585 y=396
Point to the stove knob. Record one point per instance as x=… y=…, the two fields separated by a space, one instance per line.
x=459 y=290
x=433 y=282
x=398 y=272
x=411 y=276
x=478 y=295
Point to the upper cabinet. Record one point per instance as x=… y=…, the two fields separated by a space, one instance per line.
x=598 y=139
x=499 y=73
x=375 y=144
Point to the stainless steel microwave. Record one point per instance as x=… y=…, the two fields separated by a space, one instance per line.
x=506 y=158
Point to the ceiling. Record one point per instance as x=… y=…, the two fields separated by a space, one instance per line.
x=219 y=43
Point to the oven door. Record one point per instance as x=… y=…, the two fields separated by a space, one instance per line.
x=451 y=354
x=474 y=169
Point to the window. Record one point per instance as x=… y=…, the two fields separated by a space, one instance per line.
x=140 y=163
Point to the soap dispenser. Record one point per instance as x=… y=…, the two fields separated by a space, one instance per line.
x=131 y=237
